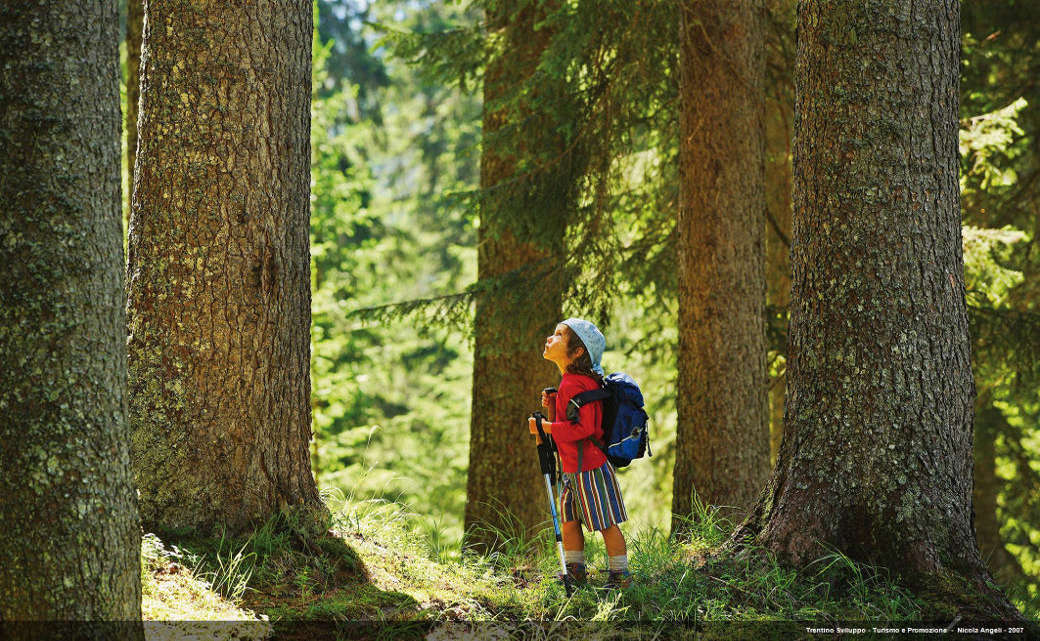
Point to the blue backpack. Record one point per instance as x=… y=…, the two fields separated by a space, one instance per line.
x=624 y=421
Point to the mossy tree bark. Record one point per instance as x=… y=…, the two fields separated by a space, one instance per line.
x=71 y=543
x=877 y=458
x=219 y=300
x=523 y=220
x=722 y=442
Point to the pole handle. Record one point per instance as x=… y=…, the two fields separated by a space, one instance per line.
x=546 y=458
x=551 y=410
x=539 y=436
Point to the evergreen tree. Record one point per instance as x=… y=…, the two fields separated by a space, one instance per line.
x=523 y=219
x=1000 y=187
x=999 y=163
x=351 y=60
x=382 y=229
x=219 y=300
x=876 y=459
x=603 y=90
x=71 y=543
x=722 y=440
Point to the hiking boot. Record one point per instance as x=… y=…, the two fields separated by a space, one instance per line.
x=618 y=580
x=576 y=573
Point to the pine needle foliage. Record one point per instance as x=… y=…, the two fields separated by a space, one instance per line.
x=1000 y=196
x=615 y=114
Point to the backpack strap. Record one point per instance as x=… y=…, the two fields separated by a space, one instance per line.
x=574 y=407
x=580 y=400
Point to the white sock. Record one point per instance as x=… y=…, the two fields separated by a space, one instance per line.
x=574 y=556
x=618 y=563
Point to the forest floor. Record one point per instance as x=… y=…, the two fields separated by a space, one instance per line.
x=374 y=576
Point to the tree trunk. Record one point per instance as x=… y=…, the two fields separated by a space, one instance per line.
x=877 y=457
x=722 y=441
x=219 y=301
x=778 y=136
x=505 y=491
x=71 y=542
x=134 y=27
x=1003 y=565
x=779 y=117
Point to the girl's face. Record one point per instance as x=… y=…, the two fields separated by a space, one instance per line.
x=556 y=346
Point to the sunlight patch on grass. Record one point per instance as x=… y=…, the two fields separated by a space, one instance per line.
x=377 y=563
x=173 y=590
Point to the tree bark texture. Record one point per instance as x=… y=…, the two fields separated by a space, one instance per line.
x=505 y=491
x=722 y=442
x=134 y=29
x=877 y=457
x=71 y=544
x=219 y=300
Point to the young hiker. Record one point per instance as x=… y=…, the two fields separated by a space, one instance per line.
x=591 y=495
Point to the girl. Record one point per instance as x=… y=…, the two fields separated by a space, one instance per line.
x=590 y=495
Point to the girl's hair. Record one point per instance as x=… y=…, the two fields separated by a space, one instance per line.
x=583 y=364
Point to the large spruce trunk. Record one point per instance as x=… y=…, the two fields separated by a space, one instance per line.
x=722 y=441
x=505 y=493
x=70 y=548
x=877 y=457
x=219 y=300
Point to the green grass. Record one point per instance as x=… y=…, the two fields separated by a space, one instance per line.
x=175 y=590
x=381 y=563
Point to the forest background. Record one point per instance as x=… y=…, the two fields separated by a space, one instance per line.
x=396 y=151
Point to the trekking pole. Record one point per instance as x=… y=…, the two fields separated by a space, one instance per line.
x=547 y=461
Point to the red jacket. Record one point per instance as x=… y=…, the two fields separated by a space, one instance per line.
x=568 y=435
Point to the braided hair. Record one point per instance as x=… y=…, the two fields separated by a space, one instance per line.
x=583 y=364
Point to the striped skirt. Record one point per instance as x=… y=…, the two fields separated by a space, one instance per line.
x=593 y=497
